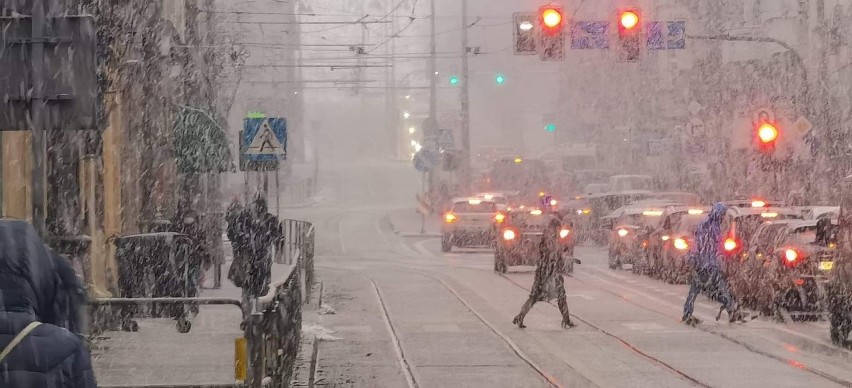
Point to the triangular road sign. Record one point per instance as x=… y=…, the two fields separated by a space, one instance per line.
x=265 y=142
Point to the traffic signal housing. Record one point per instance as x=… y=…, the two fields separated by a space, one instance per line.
x=551 y=42
x=630 y=35
x=525 y=33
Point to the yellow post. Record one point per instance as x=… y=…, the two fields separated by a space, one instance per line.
x=17 y=177
x=240 y=359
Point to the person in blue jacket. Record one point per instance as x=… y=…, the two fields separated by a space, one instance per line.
x=707 y=269
x=36 y=347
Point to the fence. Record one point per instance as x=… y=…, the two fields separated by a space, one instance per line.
x=266 y=354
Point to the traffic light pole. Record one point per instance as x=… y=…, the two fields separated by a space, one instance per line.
x=433 y=94
x=38 y=130
x=465 y=101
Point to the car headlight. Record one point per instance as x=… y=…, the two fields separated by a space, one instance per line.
x=508 y=234
x=623 y=232
x=564 y=233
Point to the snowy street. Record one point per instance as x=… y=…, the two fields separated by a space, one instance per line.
x=408 y=315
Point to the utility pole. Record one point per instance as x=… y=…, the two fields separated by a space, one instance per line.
x=393 y=130
x=433 y=86
x=465 y=101
x=38 y=130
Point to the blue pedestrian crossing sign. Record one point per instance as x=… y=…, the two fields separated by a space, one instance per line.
x=265 y=139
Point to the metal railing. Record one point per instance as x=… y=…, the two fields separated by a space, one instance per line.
x=266 y=354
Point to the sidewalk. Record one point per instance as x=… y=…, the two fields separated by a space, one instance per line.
x=158 y=355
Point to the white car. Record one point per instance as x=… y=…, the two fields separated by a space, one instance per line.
x=470 y=223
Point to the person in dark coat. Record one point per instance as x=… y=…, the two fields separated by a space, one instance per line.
x=30 y=291
x=549 y=283
x=257 y=232
x=707 y=271
x=71 y=300
x=236 y=217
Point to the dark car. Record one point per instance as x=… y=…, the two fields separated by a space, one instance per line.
x=520 y=235
x=785 y=269
x=674 y=267
x=661 y=237
x=629 y=236
x=838 y=291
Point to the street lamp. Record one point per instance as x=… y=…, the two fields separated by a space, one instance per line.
x=406 y=115
x=411 y=130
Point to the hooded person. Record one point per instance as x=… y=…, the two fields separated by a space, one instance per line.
x=707 y=269
x=36 y=348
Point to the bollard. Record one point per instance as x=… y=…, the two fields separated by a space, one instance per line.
x=240 y=360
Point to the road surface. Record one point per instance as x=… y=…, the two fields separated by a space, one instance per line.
x=407 y=315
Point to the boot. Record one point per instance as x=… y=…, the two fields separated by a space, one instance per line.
x=690 y=320
x=737 y=316
x=568 y=324
x=519 y=320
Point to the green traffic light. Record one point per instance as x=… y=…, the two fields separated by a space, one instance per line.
x=501 y=79
x=550 y=127
x=454 y=80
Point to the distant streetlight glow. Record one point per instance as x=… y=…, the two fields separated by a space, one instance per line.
x=406 y=115
x=408 y=97
x=412 y=130
x=413 y=143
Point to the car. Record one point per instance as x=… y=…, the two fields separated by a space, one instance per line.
x=469 y=223
x=817 y=212
x=838 y=290
x=675 y=267
x=579 y=212
x=679 y=197
x=629 y=234
x=660 y=241
x=499 y=198
x=520 y=235
x=738 y=228
x=786 y=268
x=602 y=206
x=755 y=202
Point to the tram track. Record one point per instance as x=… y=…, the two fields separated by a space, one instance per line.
x=680 y=373
x=750 y=348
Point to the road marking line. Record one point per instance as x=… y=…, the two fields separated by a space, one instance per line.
x=400 y=356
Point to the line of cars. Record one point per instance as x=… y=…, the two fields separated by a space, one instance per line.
x=780 y=261
x=514 y=231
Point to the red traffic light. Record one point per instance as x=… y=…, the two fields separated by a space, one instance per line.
x=629 y=20
x=767 y=133
x=551 y=17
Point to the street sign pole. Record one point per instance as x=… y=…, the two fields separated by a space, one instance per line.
x=422 y=214
x=39 y=135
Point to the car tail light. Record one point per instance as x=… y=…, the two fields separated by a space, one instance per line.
x=450 y=217
x=645 y=244
x=791 y=255
x=564 y=233
x=730 y=244
x=508 y=234
x=499 y=217
x=799 y=282
x=623 y=232
x=681 y=244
